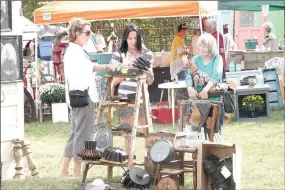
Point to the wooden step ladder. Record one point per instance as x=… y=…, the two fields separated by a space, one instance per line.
x=141 y=93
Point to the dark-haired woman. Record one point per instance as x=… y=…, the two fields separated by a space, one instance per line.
x=131 y=48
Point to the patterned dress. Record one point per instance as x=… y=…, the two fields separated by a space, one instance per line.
x=129 y=86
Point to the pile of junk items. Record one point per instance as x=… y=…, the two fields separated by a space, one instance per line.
x=168 y=157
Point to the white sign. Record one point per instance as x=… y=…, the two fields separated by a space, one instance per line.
x=265 y=10
x=46 y=16
x=225 y=172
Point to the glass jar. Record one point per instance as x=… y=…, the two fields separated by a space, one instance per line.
x=232 y=66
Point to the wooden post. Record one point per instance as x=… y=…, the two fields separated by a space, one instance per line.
x=135 y=123
x=148 y=120
x=18 y=156
x=27 y=152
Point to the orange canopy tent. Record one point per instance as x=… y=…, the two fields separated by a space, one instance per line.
x=63 y=11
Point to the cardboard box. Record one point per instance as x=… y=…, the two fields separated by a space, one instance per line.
x=165 y=56
x=221 y=151
x=157 y=59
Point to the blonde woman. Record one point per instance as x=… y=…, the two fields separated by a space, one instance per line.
x=208 y=70
x=79 y=75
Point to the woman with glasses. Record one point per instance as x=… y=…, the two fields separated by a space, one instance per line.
x=207 y=73
x=79 y=75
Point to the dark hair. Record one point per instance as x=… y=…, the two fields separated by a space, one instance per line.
x=129 y=28
x=226 y=28
x=182 y=27
x=203 y=20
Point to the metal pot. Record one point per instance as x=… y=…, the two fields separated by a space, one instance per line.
x=162 y=152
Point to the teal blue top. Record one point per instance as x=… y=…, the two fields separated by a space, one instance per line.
x=213 y=70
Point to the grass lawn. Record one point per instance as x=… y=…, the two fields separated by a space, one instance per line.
x=261 y=142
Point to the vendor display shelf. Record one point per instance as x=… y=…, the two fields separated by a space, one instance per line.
x=253 y=60
x=141 y=90
x=271 y=78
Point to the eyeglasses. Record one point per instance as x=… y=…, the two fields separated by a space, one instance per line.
x=87 y=33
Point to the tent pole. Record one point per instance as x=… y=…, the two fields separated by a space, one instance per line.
x=200 y=21
x=36 y=65
x=218 y=30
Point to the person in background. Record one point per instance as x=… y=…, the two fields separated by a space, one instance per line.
x=203 y=21
x=178 y=50
x=30 y=48
x=209 y=66
x=48 y=30
x=194 y=41
x=79 y=72
x=229 y=42
x=268 y=26
x=131 y=48
x=211 y=27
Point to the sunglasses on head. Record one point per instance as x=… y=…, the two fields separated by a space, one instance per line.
x=87 y=33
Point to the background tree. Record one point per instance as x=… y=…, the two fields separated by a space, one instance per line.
x=29 y=6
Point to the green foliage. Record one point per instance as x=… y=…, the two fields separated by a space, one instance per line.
x=52 y=93
x=157 y=33
x=261 y=143
x=253 y=103
x=30 y=5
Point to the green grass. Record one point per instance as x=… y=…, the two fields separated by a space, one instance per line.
x=261 y=142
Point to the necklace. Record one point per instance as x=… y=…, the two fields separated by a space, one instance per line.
x=133 y=55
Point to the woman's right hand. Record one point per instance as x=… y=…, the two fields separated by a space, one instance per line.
x=112 y=67
x=192 y=93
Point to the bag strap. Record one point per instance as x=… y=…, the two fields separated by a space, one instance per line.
x=67 y=79
x=67 y=85
x=86 y=53
x=121 y=59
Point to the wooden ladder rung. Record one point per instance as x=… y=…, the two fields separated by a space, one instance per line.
x=123 y=133
x=142 y=126
x=122 y=164
x=171 y=171
x=186 y=150
x=188 y=169
x=174 y=161
x=188 y=165
x=112 y=103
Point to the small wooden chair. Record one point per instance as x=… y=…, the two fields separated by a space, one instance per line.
x=210 y=121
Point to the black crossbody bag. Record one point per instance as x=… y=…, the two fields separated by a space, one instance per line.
x=78 y=98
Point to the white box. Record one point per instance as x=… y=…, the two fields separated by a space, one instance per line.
x=59 y=112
